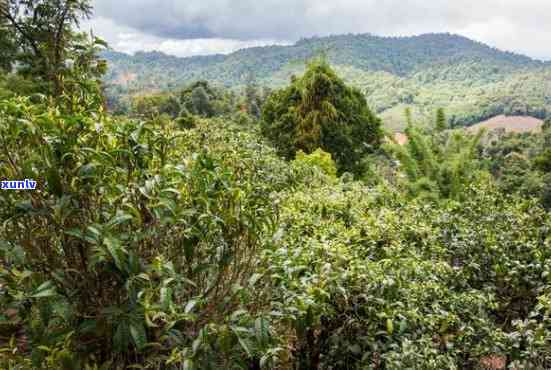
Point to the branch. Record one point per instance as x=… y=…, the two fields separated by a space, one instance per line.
x=6 y=14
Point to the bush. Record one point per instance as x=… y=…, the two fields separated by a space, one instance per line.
x=132 y=249
x=363 y=280
x=440 y=167
x=319 y=159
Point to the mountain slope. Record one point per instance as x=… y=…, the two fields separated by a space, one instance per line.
x=471 y=80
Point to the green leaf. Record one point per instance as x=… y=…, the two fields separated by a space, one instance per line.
x=47 y=289
x=119 y=219
x=121 y=337
x=245 y=345
x=77 y=233
x=389 y=326
x=139 y=336
x=166 y=298
x=115 y=250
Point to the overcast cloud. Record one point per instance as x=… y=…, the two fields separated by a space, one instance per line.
x=194 y=27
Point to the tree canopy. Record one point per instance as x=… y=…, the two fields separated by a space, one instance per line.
x=43 y=40
x=319 y=110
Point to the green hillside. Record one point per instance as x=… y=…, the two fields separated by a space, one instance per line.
x=471 y=80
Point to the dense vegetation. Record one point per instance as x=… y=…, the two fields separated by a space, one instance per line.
x=472 y=80
x=521 y=163
x=177 y=235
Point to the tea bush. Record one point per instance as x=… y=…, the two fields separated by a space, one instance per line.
x=140 y=243
x=366 y=280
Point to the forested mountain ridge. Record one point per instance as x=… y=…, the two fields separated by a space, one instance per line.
x=478 y=81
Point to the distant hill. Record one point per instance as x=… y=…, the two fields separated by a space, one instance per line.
x=472 y=81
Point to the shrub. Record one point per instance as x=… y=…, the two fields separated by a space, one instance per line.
x=364 y=280
x=132 y=249
x=319 y=159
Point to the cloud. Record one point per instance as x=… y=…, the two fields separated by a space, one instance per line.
x=522 y=26
x=129 y=40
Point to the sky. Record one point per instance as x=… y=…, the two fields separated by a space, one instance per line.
x=200 y=27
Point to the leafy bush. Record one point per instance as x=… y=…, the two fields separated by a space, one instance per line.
x=363 y=280
x=319 y=159
x=132 y=250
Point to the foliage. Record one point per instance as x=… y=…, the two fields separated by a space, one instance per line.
x=440 y=166
x=132 y=245
x=320 y=111
x=159 y=247
x=48 y=48
x=13 y=84
x=365 y=280
x=441 y=121
x=172 y=235
x=319 y=159
x=177 y=238
x=520 y=163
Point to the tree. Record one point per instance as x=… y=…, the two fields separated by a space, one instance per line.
x=7 y=41
x=201 y=101
x=441 y=120
x=45 y=34
x=150 y=106
x=320 y=111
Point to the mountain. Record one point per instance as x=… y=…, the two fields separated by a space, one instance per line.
x=472 y=81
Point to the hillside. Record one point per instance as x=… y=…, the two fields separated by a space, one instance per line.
x=471 y=80
x=510 y=124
